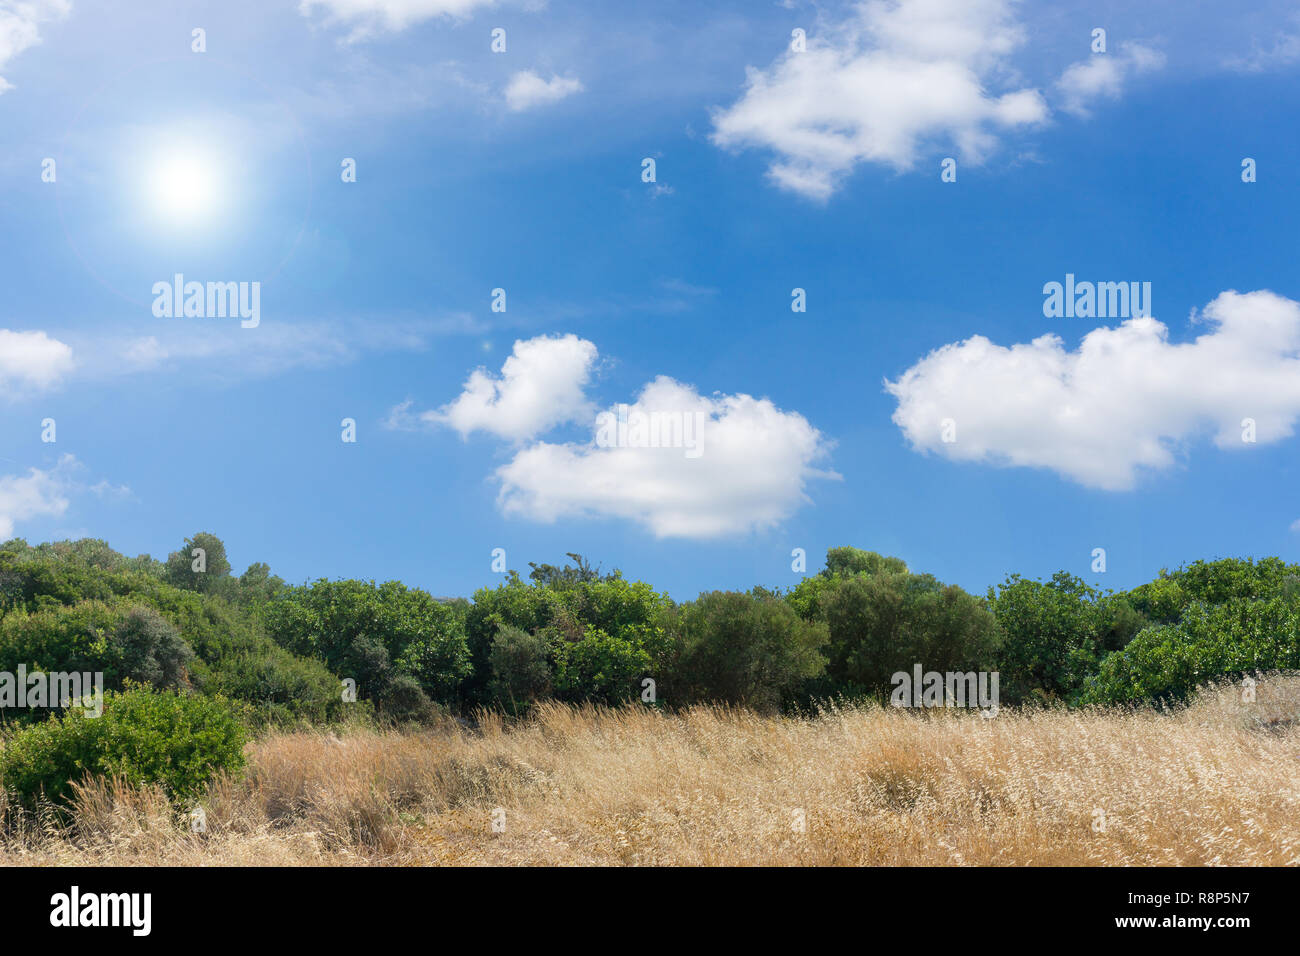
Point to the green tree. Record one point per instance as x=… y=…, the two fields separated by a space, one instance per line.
x=200 y=566
x=359 y=629
x=744 y=649
x=521 y=667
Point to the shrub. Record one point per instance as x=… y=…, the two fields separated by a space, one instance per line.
x=600 y=667
x=371 y=632
x=122 y=641
x=889 y=621
x=404 y=699
x=1054 y=633
x=744 y=649
x=144 y=736
x=151 y=650
x=521 y=666
x=1236 y=638
x=283 y=688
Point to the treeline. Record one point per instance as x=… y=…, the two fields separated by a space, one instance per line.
x=294 y=653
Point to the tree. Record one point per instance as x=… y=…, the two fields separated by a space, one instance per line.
x=1054 y=633
x=601 y=667
x=890 y=621
x=743 y=649
x=521 y=666
x=200 y=566
x=151 y=649
x=370 y=633
x=581 y=572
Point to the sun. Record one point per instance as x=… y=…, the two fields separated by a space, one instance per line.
x=184 y=188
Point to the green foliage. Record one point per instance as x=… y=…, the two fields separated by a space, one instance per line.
x=200 y=566
x=889 y=621
x=404 y=700
x=1054 y=633
x=121 y=640
x=842 y=562
x=284 y=689
x=69 y=608
x=151 y=649
x=601 y=667
x=743 y=649
x=359 y=629
x=580 y=572
x=1238 y=637
x=628 y=615
x=584 y=635
x=521 y=667
x=145 y=736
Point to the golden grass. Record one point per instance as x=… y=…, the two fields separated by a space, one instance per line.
x=1215 y=783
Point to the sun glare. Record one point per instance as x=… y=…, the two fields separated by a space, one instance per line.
x=184 y=189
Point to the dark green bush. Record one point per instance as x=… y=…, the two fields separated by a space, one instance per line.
x=521 y=666
x=743 y=649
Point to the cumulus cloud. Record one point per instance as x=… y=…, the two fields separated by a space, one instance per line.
x=36 y=494
x=676 y=462
x=368 y=17
x=31 y=361
x=891 y=80
x=1103 y=75
x=20 y=22
x=541 y=386
x=745 y=469
x=527 y=89
x=1125 y=400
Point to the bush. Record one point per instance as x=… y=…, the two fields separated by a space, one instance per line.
x=284 y=689
x=1054 y=633
x=888 y=622
x=744 y=649
x=144 y=736
x=1169 y=661
x=600 y=667
x=121 y=640
x=521 y=666
x=403 y=699
x=371 y=633
x=151 y=650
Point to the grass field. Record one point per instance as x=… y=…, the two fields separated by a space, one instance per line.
x=1214 y=783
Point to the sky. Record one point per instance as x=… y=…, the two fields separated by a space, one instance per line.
x=489 y=251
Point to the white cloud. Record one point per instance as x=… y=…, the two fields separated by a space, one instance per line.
x=36 y=494
x=1127 y=399
x=541 y=386
x=31 y=360
x=749 y=471
x=720 y=465
x=20 y=22
x=1295 y=526
x=1103 y=75
x=368 y=17
x=892 y=80
x=527 y=89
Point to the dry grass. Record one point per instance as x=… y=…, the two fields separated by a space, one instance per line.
x=1216 y=783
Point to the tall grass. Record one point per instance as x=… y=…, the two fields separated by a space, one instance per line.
x=1214 y=783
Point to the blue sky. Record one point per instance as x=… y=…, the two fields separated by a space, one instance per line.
x=775 y=169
